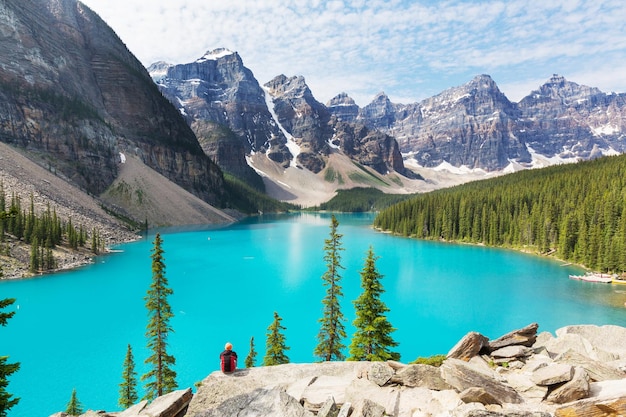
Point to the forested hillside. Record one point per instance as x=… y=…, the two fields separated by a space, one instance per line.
x=576 y=212
x=359 y=199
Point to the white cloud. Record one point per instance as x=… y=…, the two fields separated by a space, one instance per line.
x=409 y=49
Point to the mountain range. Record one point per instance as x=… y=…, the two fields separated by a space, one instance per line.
x=474 y=125
x=77 y=102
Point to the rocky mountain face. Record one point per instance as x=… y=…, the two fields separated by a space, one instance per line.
x=565 y=119
x=319 y=132
x=303 y=117
x=217 y=94
x=74 y=98
x=475 y=125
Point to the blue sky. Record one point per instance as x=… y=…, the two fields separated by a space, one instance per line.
x=411 y=50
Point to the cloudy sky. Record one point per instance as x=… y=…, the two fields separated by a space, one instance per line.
x=408 y=49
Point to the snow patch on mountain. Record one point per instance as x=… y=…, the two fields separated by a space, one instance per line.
x=460 y=170
x=214 y=55
x=542 y=161
x=291 y=144
x=607 y=129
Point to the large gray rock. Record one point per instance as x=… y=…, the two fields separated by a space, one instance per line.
x=169 y=405
x=368 y=408
x=420 y=375
x=296 y=377
x=362 y=389
x=260 y=402
x=329 y=409
x=485 y=413
x=525 y=336
x=597 y=371
x=553 y=374
x=134 y=410
x=608 y=339
x=380 y=373
x=462 y=375
x=607 y=389
x=468 y=347
x=478 y=395
x=605 y=407
x=571 y=341
x=424 y=402
x=345 y=410
x=524 y=385
x=573 y=390
x=517 y=351
x=317 y=392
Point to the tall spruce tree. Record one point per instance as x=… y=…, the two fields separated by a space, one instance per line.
x=6 y=369
x=251 y=358
x=275 y=344
x=128 y=387
x=332 y=330
x=74 y=407
x=161 y=379
x=372 y=338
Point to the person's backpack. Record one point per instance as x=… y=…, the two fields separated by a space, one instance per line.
x=228 y=362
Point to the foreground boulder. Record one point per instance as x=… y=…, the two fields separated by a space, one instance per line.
x=519 y=374
x=580 y=372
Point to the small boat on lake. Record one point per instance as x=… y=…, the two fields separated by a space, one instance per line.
x=618 y=281
x=594 y=277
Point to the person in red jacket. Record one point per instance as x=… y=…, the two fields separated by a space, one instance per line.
x=228 y=359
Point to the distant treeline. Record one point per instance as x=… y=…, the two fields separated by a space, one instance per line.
x=357 y=200
x=576 y=211
x=250 y=200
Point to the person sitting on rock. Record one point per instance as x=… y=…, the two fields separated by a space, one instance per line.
x=228 y=359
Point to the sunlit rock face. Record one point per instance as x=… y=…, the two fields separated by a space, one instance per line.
x=74 y=97
x=475 y=125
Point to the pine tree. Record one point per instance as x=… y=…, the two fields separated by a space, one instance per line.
x=3 y=213
x=251 y=358
x=332 y=330
x=372 y=338
x=34 y=256
x=161 y=378
x=128 y=387
x=95 y=241
x=6 y=369
x=74 y=407
x=275 y=344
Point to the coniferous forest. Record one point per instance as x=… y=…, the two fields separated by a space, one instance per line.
x=576 y=212
x=42 y=232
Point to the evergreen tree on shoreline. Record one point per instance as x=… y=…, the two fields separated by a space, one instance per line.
x=161 y=379
x=128 y=387
x=251 y=358
x=275 y=344
x=372 y=338
x=6 y=369
x=332 y=330
x=74 y=407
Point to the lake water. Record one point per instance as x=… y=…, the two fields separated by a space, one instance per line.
x=71 y=329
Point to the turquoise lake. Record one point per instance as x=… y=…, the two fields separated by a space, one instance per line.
x=71 y=329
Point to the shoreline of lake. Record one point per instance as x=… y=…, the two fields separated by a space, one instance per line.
x=78 y=324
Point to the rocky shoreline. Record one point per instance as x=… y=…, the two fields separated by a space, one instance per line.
x=21 y=177
x=579 y=372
